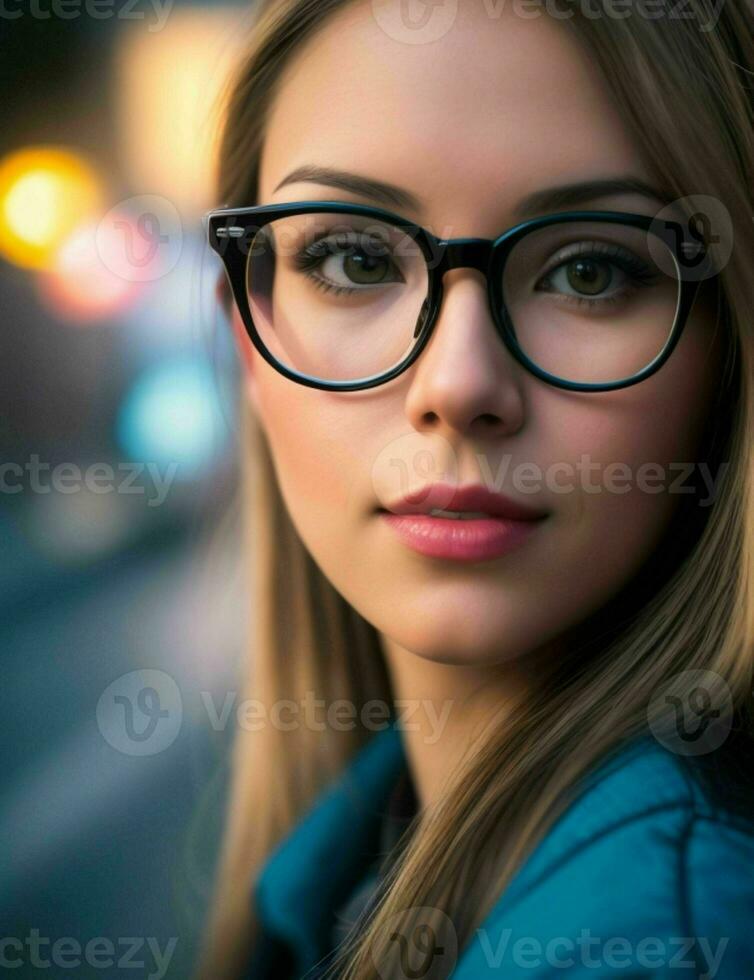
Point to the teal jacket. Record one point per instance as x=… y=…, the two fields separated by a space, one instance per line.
x=644 y=875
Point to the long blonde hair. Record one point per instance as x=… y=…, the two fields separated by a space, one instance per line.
x=687 y=97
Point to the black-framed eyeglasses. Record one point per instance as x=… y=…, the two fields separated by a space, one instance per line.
x=342 y=296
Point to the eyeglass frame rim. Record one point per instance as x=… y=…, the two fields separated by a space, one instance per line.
x=229 y=220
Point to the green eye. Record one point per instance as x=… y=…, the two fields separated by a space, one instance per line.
x=588 y=276
x=365 y=269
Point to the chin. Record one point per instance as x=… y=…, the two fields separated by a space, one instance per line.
x=466 y=651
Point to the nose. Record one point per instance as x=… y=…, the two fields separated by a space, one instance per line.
x=465 y=381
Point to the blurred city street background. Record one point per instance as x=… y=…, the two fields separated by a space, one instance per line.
x=120 y=569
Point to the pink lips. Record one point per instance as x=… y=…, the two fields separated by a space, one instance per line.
x=508 y=524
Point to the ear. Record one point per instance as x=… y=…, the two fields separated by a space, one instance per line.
x=243 y=344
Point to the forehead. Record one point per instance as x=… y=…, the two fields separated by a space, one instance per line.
x=469 y=122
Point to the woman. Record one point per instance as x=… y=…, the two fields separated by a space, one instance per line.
x=517 y=745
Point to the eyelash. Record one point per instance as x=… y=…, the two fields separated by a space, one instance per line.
x=312 y=256
x=640 y=273
x=308 y=259
x=328 y=287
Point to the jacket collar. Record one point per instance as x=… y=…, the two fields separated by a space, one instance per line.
x=636 y=778
x=318 y=864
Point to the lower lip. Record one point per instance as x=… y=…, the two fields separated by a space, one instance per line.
x=478 y=539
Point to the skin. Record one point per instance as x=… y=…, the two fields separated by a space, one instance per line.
x=470 y=143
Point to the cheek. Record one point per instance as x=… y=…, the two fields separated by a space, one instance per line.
x=317 y=441
x=317 y=451
x=615 y=511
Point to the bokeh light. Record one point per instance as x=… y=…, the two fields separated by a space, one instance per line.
x=173 y=415
x=170 y=87
x=45 y=192
x=82 y=285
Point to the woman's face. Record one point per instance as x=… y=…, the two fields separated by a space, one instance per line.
x=470 y=123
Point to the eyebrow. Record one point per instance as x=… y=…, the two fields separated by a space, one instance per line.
x=556 y=198
x=389 y=195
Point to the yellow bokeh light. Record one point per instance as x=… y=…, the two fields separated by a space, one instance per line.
x=171 y=89
x=45 y=192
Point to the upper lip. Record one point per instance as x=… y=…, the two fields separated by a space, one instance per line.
x=444 y=496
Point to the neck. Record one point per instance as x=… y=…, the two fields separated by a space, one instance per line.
x=442 y=707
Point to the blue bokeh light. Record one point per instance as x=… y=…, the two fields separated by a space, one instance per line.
x=173 y=414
